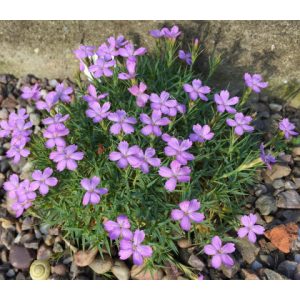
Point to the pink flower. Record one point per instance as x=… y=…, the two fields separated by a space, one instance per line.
x=250 y=229
x=138 y=91
x=43 y=180
x=121 y=228
x=241 y=123
x=178 y=149
x=123 y=123
x=187 y=214
x=287 y=128
x=255 y=82
x=224 y=103
x=93 y=193
x=201 y=133
x=220 y=253
x=197 y=90
x=153 y=124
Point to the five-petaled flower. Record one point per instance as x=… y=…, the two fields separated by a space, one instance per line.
x=176 y=174
x=178 y=149
x=147 y=159
x=97 y=112
x=250 y=228
x=241 y=123
x=287 y=128
x=93 y=194
x=92 y=96
x=164 y=104
x=31 y=93
x=102 y=68
x=255 y=82
x=84 y=51
x=123 y=123
x=119 y=229
x=187 y=213
x=201 y=133
x=186 y=56
x=197 y=90
x=43 y=180
x=224 y=103
x=135 y=248
x=220 y=254
x=129 y=52
x=126 y=155
x=138 y=91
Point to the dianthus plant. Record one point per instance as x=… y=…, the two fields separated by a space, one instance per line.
x=144 y=153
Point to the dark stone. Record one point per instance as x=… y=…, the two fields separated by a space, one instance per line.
x=20 y=257
x=288 y=268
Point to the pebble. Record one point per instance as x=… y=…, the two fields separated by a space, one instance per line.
x=85 y=258
x=35 y=119
x=267 y=260
x=272 y=275
x=20 y=257
x=184 y=243
x=288 y=268
x=33 y=245
x=290 y=185
x=10 y=273
x=20 y=276
x=44 y=229
x=256 y=265
x=120 y=270
x=275 y=107
x=278 y=184
x=27 y=224
x=288 y=199
x=101 y=266
x=249 y=275
x=248 y=250
x=278 y=171
x=266 y=205
x=260 y=189
x=60 y=270
x=296 y=151
x=49 y=240
x=230 y=272
x=196 y=262
x=3 y=114
x=44 y=252
x=26 y=238
x=140 y=273
x=58 y=248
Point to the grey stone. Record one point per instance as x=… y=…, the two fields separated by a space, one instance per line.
x=120 y=270
x=256 y=265
x=278 y=171
x=272 y=275
x=292 y=215
x=20 y=257
x=297 y=258
x=278 y=183
x=288 y=199
x=275 y=107
x=288 y=268
x=248 y=250
x=44 y=252
x=266 y=205
x=101 y=266
x=260 y=189
x=20 y=276
x=10 y=273
x=289 y=185
x=35 y=119
x=230 y=272
x=267 y=260
x=196 y=262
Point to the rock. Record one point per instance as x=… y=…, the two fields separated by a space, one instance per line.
x=27 y=238
x=6 y=238
x=49 y=240
x=44 y=229
x=278 y=184
x=296 y=151
x=58 y=248
x=297 y=182
x=288 y=268
x=85 y=258
x=140 y=273
x=292 y=216
x=196 y=262
x=266 y=205
x=26 y=170
x=275 y=107
x=2 y=179
x=282 y=236
x=44 y=252
x=20 y=257
x=184 y=243
x=120 y=270
x=35 y=119
x=248 y=250
x=267 y=260
x=256 y=265
x=20 y=276
x=60 y=270
x=3 y=114
x=249 y=275
x=268 y=219
x=272 y=275
x=27 y=224
x=260 y=189
x=230 y=272
x=33 y=245
x=290 y=185
x=10 y=273
x=278 y=171
x=288 y=199
x=101 y=266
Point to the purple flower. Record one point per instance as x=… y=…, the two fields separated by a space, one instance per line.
x=187 y=57
x=50 y=101
x=156 y=33
x=287 y=128
x=164 y=104
x=220 y=253
x=62 y=93
x=98 y=112
x=119 y=228
x=135 y=248
x=11 y=186
x=54 y=135
x=200 y=277
x=268 y=159
x=255 y=82
x=92 y=97
x=122 y=122
x=196 y=90
x=31 y=93
x=107 y=52
x=17 y=151
x=187 y=214
x=201 y=133
x=250 y=229
x=66 y=157
x=130 y=65
x=153 y=123
x=224 y=103
x=102 y=68
x=178 y=149
x=57 y=119
x=127 y=155
x=84 y=51
x=241 y=123
x=172 y=33
x=93 y=193
x=175 y=174
x=119 y=42
x=6 y=128
x=138 y=91
x=43 y=180
x=129 y=51
x=26 y=191
x=147 y=159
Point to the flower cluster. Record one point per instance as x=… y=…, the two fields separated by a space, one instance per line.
x=130 y=242
x=18 y=128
